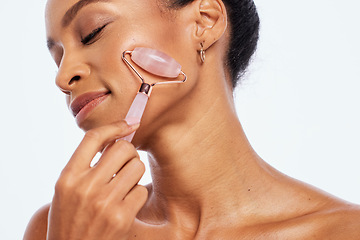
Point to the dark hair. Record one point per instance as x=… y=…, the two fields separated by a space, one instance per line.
x=244 y=35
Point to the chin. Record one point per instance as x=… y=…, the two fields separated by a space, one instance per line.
x=94 y=122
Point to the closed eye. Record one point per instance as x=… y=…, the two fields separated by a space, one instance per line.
x=89 y=39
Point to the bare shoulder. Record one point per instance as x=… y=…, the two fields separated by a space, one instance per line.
x=329 y=217
x=313 y=214
x=341 y=221
x=37 y=227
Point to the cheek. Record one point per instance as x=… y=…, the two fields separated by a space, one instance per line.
x=165 y=104
x=112 y=69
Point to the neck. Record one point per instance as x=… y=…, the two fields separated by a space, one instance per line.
x=198 y=163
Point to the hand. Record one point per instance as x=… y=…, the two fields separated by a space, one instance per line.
x=94 y=203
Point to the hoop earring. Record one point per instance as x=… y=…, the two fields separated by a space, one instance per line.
x=202 y=53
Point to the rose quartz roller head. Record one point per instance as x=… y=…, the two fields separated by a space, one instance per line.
x=154 y=62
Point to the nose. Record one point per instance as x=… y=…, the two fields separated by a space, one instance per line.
x=71 y=70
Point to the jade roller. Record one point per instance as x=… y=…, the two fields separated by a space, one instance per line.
x=156 y=63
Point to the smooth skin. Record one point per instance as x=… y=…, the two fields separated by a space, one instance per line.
x=208 y=182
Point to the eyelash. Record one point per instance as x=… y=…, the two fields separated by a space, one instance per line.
x=86 y=40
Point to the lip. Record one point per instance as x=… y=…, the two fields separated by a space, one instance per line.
x=86 y=102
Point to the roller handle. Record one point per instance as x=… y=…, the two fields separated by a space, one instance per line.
x=136 y=111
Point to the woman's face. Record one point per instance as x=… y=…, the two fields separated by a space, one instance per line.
x=86 y=39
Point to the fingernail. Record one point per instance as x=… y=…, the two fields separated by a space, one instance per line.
x=131 y=121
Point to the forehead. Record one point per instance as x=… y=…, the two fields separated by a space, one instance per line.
x=55 y=10
x=129 y=12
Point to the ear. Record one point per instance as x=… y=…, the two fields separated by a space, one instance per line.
x=211 y=21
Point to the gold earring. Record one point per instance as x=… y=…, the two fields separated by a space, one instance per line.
x=202 y=53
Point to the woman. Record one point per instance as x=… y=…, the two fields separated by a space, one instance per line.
x=208 y=182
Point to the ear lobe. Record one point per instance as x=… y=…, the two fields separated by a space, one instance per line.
x=212 y=21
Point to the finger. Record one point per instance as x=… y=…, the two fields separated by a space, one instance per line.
x=127 y=178
x=136 y=199
x=113 y=159
x=95 y=140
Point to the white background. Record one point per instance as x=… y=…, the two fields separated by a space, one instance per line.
x=299 y=102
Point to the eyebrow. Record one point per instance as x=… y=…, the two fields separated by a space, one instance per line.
x=72 y=12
